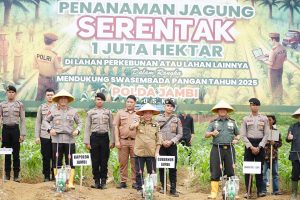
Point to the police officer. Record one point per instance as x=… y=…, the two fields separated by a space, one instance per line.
x=171 y=130
x=18 y=58
x=48 y=63
x=4 y=46
x=12 y=113
x=254 y=133
x=275 y=62
x=99 y=126
x=294 y=138
x=125 y=133
x=59 y=123
x=225 y=132
x=42 y=136
x=147 y=143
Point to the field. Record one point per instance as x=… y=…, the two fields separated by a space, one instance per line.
x=194 y=175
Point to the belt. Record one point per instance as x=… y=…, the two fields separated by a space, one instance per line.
x=10 y=125
x=222 y=146
x=100 y=133
x=128 y=138
x=48 y=77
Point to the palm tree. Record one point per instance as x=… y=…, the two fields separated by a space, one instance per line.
x=37 y=8
x=252 y=2
x=290 y=5
x=7 y=8
x=270 y=4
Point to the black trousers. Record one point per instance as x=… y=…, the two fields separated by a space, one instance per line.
x=63 y=149
x=46 y=151
x=248 y=156
x=226 y=157
x=139 y=168
x=10 y=139
x=99 y=155
x=171 y=151
x=295 y=170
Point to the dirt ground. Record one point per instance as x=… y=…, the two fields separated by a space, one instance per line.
x=45 y=191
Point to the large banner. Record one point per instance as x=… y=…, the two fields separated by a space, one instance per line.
x=197 y=52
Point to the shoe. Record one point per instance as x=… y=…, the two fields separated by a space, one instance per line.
x=46 y=179
x=246 y=196
x=261 y=194
x=122 y=185
x=71 y=180
x=214 y=189
x=134 y=186
x=174 y=193
x=103 y=184
x=277 y=193
x=16 y=179
x=7 y=178
x=97 y=184
x=162 y=191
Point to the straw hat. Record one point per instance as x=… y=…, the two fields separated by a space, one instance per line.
x=296 y=113
x=63 y=93
x=222 y=105
x=148 y=107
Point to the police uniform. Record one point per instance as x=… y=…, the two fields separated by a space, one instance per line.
x=294 y=156
x=277 y=57
x=48 y=64
x=44 y=136
x=12 y=114
x=148 y=138
x=4 y=46
x=99 y=123
x=171 y=131
x=18 y=59
x=122 y=121
x=254 y=133
x=62 y=121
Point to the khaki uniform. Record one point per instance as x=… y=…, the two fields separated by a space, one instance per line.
x=122 y=121
x=12 y=114
x=277 y=57
x=18 y=60
x=172 y=131
x=4 y=46
x=47 y=62
x=99 y=123
x=254 y=132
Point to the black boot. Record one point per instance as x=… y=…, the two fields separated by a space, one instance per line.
x=97 y=184
x=294 y=190
x=7 y=177
x=162 y=190
x=173 y=191
x=103 y=183
x=16 y=177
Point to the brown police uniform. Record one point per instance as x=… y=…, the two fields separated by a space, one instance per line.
x=18 y=60
x=48 y=64
x=99 y=125
x=44 y=136
x=12 y=114
x=122 y=121
x=4 y=46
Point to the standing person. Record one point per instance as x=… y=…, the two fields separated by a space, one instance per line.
x=187 y=128
x=98 y=131
x=147 y=143
x=125 y=133
x=266 y=166
x=225 y=132
x=254 y=131
x=4 y=46
x=18 y=58
x=171 y=130
x=293 y=137
x=48 y=64
x=60 y=124
x=42 y=136
x=275 y=62
x=12 y=113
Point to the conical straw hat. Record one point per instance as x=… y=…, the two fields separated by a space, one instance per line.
x=222 y=105
x=148 y=107
x=296 y=113
x=63 y=93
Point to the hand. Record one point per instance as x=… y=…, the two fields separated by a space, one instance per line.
x=254 y=150
x=117 y=144
x=272 y=142
x=156 y=155
x=215 y=133
x=290 y=136
x=166 y=144
x=191 y=140
x=52 y=132
x=88 y=146
x=235 y=141
x=38 y=141
x=112 y=145
x=75 y=133
x=22 y=138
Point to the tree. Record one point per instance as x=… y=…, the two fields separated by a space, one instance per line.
x=37 y=8
x=252 y=2
x=290 y=5
x=8 y=5
x=269 y=4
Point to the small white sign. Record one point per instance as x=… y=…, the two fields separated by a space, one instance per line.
x=82 y=159
x=6 y=151
x=251 y=167
x=165 y=162
x=274 y=135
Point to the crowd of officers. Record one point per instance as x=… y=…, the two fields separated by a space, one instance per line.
x=141 y=138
